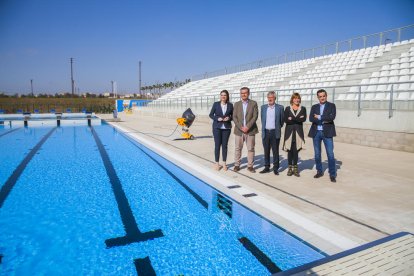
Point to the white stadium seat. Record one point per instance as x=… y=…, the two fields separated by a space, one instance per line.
x=394 y=72
x=382 y=88
x=403 y=87
x=404 y=65
x=405 y=71
x=384 y=73
x=395 y=66
x=373 y=80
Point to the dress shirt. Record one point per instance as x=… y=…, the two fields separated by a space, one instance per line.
x=321 y=108
x=270 y=117
x=244 y=103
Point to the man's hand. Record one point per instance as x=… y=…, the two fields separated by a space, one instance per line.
x=226 y=119
x=289 y=118
x=245 y=129
x=220 y=119
x=316 y=116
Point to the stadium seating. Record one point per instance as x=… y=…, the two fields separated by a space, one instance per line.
x=395 y=75
x=368 y=74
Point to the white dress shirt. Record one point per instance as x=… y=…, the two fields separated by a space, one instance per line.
x=270 y=117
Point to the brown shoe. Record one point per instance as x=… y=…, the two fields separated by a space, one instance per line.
x=251 y=169
x=236 y=168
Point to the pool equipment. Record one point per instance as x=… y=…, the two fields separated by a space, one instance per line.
x=185 y=121
x=89 y=117
x=26 y=118
x=58 y=118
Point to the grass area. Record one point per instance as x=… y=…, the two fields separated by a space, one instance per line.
x=45 y=105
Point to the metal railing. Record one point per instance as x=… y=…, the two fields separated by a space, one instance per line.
x=352 y=97
x=376 y=39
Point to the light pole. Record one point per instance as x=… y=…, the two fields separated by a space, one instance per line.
x=139 y=90
x=31 y=87
x=71 y=77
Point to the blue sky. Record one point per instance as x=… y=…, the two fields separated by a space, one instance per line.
x=173 y=39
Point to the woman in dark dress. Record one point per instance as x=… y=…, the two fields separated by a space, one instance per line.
x=294 y=139
x=221 y=113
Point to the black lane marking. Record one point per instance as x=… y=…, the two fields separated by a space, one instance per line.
x=133 y=234
x=10 y=131
x=250 y=195
x=233 y=186
x=270 y=186
x=259 y=255
x=8 y=186
x=144 y=267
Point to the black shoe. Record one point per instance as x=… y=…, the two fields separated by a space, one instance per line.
x=265 y=170
x=251 y=169
x=276 y=172
x=236 y=169
x=333 y=179
x=318 y=174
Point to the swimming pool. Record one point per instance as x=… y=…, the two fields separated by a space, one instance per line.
x=87 y=200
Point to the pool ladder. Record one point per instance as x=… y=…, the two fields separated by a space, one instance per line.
x=225 y=205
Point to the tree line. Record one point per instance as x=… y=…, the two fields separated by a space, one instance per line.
x=151 y=91
x=163 y=88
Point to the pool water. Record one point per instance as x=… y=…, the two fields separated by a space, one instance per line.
x=90 y=201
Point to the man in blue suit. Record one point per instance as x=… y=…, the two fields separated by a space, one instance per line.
x=322 y=116
x=272 y=123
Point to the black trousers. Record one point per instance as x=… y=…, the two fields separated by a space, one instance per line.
x=271 y=142
x=221 y=139
x=293 y=154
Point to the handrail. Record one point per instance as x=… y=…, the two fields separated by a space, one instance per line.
x=205 y=101
x=285 y=57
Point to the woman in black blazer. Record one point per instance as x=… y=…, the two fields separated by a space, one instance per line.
x=221 y=113
x=294 y=139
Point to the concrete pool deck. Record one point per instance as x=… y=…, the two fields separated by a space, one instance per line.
x=373 y=196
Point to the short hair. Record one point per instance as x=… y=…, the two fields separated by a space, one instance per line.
x=245 y=88
x=321 y=91
x=271 y=93
x=227 y=94
x=295 y=95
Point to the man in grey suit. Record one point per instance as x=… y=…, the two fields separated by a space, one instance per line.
x=245 y=114
x=272 y=123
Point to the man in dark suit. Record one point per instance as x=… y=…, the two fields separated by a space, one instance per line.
x=322 y=116
x=245 y=115
x=272 y=123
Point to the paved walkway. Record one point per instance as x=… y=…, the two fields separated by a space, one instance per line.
x=389 y=256
x=373 y=196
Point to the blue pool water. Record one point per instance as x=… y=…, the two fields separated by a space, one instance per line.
x=90 y=201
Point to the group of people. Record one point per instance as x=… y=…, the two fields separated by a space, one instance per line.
x=244 y=115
